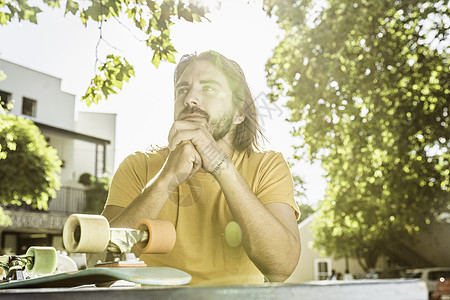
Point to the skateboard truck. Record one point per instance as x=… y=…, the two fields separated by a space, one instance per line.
x=92 y=234
x=13 y=266
x=118 y=251
x=37 y=260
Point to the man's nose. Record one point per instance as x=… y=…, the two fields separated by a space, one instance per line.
x=192 y=98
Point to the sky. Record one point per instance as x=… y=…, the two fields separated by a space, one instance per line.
x=240 y=30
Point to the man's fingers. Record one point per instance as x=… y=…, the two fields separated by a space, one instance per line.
x=191 y=135
x=172 y=132
x=182 y=163
x=179 y=137
x=183 y=126
x=196 y=165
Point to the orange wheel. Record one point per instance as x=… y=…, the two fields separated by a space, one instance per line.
x=161 y=236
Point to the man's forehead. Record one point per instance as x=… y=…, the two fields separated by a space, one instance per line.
x=202 y=70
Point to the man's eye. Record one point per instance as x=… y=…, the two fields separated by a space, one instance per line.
x=208 y=88
x=183 y=91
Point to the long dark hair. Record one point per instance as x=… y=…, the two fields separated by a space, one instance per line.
x=247 y=134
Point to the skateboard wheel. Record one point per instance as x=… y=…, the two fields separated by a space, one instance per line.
x=86 y=233
x=161 y=236
x=44 y=260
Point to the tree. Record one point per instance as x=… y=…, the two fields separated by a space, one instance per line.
x=369 y=90
x=29 y=167
x=299 y=195
x=96 y=193
x=305 y=211
x=151 y=18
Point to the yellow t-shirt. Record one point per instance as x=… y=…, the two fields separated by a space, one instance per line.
x=199 y=211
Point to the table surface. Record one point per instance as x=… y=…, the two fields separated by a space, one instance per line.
x=398 y=289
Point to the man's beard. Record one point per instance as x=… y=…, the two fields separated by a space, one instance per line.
x=218 y=127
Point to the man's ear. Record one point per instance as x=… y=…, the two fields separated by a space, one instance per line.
x=238 y=118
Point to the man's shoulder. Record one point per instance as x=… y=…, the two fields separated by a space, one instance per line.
x=261 y=159
x=152 y=154
x=263 y=155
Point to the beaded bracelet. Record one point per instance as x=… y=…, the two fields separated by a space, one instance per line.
x=219 y=164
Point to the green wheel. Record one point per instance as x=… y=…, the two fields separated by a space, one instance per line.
x=43 y=260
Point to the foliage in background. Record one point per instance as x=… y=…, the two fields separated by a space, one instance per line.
x=369 y=90
x=299 y=195
x=96 y=192
x=4 y=219
x=29 y=167
x=305 y=211
x=151 y=19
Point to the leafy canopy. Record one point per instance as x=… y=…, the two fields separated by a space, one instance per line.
x=299 y=194
x=29 y=168
x=96 y=193
x=151 y=18
x=369 y=89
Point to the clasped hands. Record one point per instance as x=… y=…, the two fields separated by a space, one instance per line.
x=192 y=147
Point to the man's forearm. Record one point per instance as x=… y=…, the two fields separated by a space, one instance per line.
x=179 y=166
x=272 y=247
x=147 y=205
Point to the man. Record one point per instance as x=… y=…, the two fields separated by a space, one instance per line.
x=210 y=175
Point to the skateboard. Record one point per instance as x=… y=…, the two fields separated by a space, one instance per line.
x=91 y=234
x=91 y=276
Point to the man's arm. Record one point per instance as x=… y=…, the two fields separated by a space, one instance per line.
x=146 y=206
x=180 y=165
x=270 y=233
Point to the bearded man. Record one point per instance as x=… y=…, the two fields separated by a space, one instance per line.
x=212 y=174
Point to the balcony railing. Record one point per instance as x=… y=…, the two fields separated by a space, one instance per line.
x=68 y=200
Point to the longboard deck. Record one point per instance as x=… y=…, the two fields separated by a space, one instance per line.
x=142 y=275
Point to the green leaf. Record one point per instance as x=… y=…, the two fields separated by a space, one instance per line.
x=72 y=7
x=156 y=59
x=171 y=58
x=95 y=11
x=52 y=3
x=109 y=80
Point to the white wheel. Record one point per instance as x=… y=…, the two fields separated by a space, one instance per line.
x=44 y=260
x=86 y=233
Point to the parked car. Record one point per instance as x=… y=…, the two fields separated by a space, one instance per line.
x=442 y=291
x=383 y=273
x=436 y=279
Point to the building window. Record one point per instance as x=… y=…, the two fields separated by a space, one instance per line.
x=29 y=107
x=5 y=99
x=322 y=268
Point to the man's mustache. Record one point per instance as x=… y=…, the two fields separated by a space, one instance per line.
x=188 y=110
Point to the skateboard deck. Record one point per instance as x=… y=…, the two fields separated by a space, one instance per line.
x=141 y=275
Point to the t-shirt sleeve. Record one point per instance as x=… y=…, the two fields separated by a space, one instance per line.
x=131 y=177
x=275 y=182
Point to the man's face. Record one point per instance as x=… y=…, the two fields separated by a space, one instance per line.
x=202 y=94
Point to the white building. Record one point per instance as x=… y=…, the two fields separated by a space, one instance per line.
x=427 y=249
x=85 y=142
x=312 y=265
